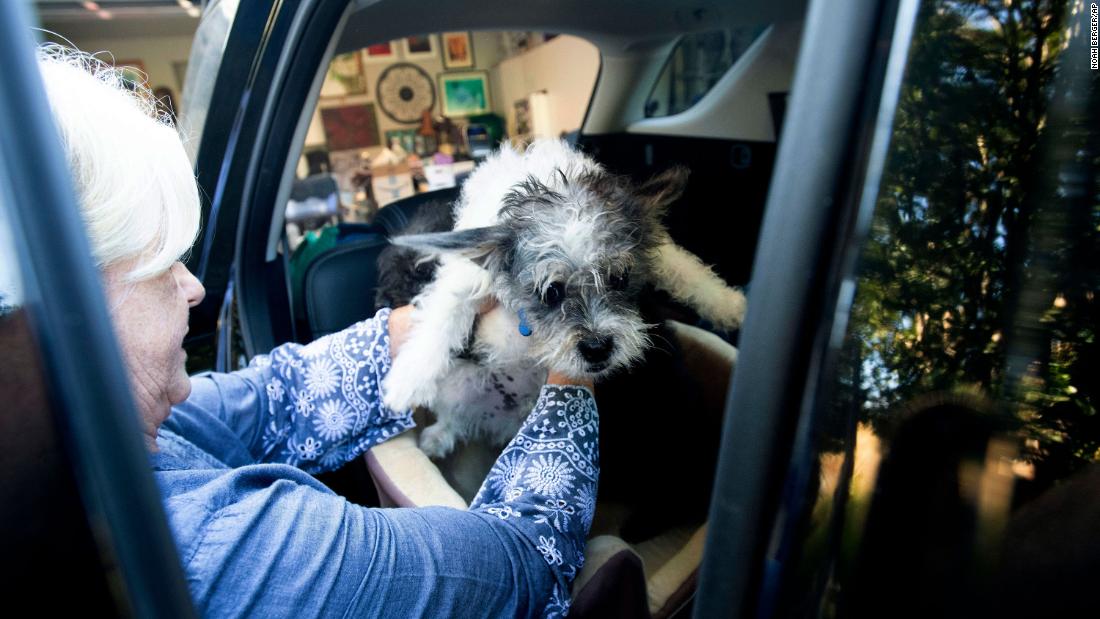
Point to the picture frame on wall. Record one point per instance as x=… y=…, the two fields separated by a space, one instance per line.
x=419 y=47
x=345 y=76
x=464 y=93
x=405 y=138
x=350 y=126
x=380 y=53
x=458 y=50
x=522 y=110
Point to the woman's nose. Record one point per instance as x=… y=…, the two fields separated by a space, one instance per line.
x=191 y=285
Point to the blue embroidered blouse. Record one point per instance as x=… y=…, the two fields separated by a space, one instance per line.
x=258 y=536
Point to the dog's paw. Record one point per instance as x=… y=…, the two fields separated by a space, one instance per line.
x=730 y=309
x=414 y=378
x=437 y=441
x=407 y=387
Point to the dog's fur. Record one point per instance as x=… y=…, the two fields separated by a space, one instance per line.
x=547 y=231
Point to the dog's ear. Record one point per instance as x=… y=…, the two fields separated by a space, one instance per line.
x=486 y=246
x=662 y=190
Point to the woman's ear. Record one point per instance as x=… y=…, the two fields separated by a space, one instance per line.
x=663 y=189
x=485 y=246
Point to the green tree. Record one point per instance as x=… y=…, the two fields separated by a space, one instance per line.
x=975 y=258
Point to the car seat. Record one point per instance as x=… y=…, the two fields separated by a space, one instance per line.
x=338 y=282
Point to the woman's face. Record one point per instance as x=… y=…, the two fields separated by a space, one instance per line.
x=150 y=318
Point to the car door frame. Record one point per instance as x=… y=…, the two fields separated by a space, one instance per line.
x=243 y=155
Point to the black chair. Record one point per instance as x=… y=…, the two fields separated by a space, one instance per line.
x=339 y=285
x=394 y=217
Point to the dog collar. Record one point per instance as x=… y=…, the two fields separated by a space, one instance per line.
x=524 y=328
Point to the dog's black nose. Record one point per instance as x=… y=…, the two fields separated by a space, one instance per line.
x=596 y=349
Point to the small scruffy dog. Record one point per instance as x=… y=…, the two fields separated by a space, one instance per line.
x=565 y=247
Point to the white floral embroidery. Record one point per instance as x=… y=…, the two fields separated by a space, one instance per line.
x=544 y=484
x=586 y=504
x=308 y=449
x=506 y=472
x=503 y=512
x=303 y=401
x=550 y=475
x=323 y=407
x=548 y=547
x=556 y=512
x=322 y=377
x=275 y=390
x=333 y=419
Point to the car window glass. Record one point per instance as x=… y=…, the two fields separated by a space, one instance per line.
x=695 y=65
x=202 y=70
x=11 y=284
x=958 y=443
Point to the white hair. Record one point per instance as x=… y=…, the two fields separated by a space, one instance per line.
x=133 y=180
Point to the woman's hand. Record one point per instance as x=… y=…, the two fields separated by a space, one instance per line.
x=557 y=378
x=401 y=322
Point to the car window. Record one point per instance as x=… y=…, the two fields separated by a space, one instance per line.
x=414 y=114
x=957 y=439
x=695 y=65
x=202 y=69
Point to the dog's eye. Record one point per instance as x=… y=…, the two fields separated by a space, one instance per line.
x=554 y=294
x=619 y=281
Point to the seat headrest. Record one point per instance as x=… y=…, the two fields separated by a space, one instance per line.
x=393 y=218
x=339 y=285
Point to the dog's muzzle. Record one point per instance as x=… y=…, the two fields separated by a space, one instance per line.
x=596 y=350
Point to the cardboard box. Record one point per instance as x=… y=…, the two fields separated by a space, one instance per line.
x=394 y=183
x=439 y=176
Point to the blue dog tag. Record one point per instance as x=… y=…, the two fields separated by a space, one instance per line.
x=524 y=328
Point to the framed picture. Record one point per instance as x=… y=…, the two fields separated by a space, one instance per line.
x=406 y=138
x=464 y=93
x=523 y=119
x=419 y=47
x=404 y=92
x=350 y=126
x=458 y=50
x=380 y=53
x=345 y=76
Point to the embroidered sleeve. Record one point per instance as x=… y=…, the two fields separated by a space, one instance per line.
x=544 y=483
x=323 y=402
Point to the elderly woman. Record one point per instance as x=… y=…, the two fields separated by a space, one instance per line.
x=233 y=453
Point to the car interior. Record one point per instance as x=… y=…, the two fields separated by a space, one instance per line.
x=648 y=109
